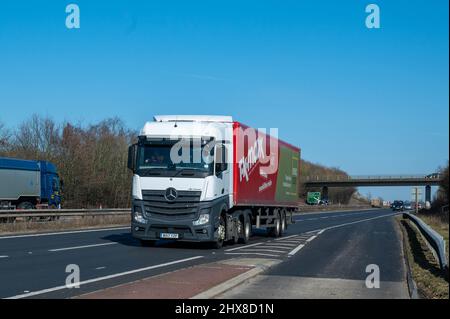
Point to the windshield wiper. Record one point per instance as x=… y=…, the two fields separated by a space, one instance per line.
x=187 y=169
x=149 y=172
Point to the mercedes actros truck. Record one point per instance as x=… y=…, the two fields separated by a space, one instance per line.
x=210 y=179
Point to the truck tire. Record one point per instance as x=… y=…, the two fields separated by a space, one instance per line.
x=147 y=243
x=221 y=231
x=246 y=230
x=276 y=230
x=25 y=205
x=283 y=223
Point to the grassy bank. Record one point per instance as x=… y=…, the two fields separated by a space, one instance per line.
x=430 y=280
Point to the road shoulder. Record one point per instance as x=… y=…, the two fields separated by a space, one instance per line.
x=199 y=282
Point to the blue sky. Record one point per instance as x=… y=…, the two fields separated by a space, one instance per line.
x=366 y=101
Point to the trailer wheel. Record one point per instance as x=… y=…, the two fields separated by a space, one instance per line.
x=221 y=231
x=276 y=231
x=283 y=223
x=246 y=229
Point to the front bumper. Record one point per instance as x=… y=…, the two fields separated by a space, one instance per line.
x=182 y=226
x=185 y=230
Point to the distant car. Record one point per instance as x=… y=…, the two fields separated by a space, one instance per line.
x=323 y=202
x=420 y=205
x=433 y=175
x=398 y=205
x=407 y=206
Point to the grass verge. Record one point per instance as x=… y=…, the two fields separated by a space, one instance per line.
x=430 y=280
x=438 y=224
x=66 y=223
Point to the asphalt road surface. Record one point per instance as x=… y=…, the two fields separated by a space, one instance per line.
x=323 y=255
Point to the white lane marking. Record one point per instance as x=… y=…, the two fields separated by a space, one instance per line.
x=311 y=238
x=279 y=243
x=340 y=214
x=263 y=249
x=283 y=238
x=321 y=232
x=244 y=247
x=81 y=247
x=296 y=249
x=355 y=222
x=279 y=247
x=4 y=256
x=302 y=237
x=44 y=291
x=292 y=241
x=359 y=221
x=64 y=232
x=259 y=254
x=99 y=268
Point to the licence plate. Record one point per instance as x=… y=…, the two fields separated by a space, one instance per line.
x=169 y=235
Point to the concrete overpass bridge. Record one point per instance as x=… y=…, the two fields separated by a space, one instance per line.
x=325 y=182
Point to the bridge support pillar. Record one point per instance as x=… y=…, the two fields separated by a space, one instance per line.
x=428 y=193
x=325 y=193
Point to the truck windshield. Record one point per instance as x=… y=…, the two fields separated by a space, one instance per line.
x=55 y=184
x=184 y=158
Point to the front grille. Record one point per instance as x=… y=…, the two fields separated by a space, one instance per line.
x=174 y=229
x=185 y=205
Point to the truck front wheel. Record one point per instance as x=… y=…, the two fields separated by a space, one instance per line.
x=245 y=230
x=221 y=230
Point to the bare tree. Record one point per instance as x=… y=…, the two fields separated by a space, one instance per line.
x=37 y=138
x=4 y=139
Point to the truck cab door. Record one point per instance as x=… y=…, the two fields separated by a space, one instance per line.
x=221 y=170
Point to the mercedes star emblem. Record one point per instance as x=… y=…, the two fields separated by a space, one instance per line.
x=171 y=194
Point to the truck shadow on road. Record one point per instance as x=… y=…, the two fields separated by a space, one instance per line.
x=126 y=239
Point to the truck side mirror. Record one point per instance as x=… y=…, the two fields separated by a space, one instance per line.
x=220 y=159
x=132 y=149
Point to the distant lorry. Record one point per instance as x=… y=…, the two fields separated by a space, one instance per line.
x=376 y=203
x=230 y=178
x=25 y=184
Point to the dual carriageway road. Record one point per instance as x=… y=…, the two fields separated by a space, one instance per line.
x=322 y=255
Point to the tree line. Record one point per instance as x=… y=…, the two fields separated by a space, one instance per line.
x=92 y=159
x=335 y=194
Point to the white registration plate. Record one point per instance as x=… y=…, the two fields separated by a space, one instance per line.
x=169 y=235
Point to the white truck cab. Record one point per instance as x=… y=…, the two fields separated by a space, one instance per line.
x=182 y=178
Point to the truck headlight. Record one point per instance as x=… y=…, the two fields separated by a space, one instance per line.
x=202 y=219
x=138 y=216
